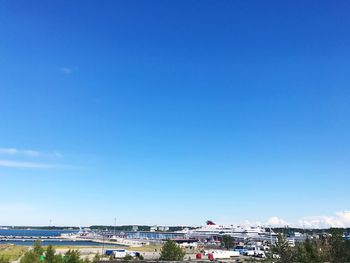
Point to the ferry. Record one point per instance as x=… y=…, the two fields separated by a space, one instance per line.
x=212 y=228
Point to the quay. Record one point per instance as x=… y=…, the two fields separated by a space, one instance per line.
x=31 y=238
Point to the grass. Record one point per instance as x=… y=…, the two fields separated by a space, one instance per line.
x=12 y=252
x=148 y=248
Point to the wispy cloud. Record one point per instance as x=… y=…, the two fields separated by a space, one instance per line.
x=28 y=153
x=66 y=70
x=19 y=164
x=32 y=159
x=14 y=151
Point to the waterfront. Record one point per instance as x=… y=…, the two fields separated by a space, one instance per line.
x=55 y=243
x=34 y=234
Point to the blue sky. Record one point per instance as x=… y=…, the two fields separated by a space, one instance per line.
x=174 y=112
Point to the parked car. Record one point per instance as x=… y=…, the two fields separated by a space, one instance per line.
x=240 y=249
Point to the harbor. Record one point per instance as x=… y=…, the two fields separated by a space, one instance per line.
x=209 y=234
x=205 y=243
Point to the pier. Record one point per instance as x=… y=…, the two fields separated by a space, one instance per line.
x=31 y=238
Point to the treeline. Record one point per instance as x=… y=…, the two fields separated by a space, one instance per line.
x=314 y=231
x=40 y=255
x=332 y=248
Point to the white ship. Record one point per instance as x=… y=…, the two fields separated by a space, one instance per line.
x=211 y=229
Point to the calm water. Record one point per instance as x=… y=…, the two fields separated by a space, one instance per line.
x=42 y=233
x=34 y=232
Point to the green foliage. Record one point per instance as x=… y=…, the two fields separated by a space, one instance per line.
x=4 y=259
x=58 y=259
x=128 y=257
x=309 y=252
x=228 y=242
x=30 y=257
x=171 y=252
x=9 y=252
x=97 y=258
x=334 y=249
x=339 y=248
x=283 y=249
x=34 y=255
x=72 y=256
x=50 y=254
x=38 y=249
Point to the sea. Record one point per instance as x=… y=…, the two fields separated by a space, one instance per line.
x=43 y=233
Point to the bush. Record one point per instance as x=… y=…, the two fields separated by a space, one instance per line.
x=228 y=242
x=128 y=257
x=4 y=259
x=171 y=252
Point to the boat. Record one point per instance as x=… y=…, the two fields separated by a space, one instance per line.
x=213 y=229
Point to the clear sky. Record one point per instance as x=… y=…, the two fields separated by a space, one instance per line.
x=174 y=112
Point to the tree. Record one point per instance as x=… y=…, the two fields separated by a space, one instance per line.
x=58 y=259
x=30 y=257
x=228 y=242
x=38 y=249
x=339 y=247
x=50 y=254
x=171 y=252
x=309 y=252
x=283 y=249
x=72 y=256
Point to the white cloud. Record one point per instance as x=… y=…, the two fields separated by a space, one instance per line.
x=18 y=164
x=340 y=219
x=28 y=153
x=276 y=221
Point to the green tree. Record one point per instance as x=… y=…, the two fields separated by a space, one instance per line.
x=72 y=256
x=38 y=249
x=171 y=252
x=58 y=259
x=283 y=250
x=33 y=256
x=339 y=247
x=228 y=242
x=97 y=258
x=30 y=257
x=309 y=252
x=50 y=255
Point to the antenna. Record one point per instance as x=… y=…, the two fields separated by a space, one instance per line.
x=115 y=225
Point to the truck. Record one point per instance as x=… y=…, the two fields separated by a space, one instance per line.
x=221 y=254
x=117 y=253
x=254 y=251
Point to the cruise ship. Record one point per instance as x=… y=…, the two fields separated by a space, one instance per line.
x=212 y=229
